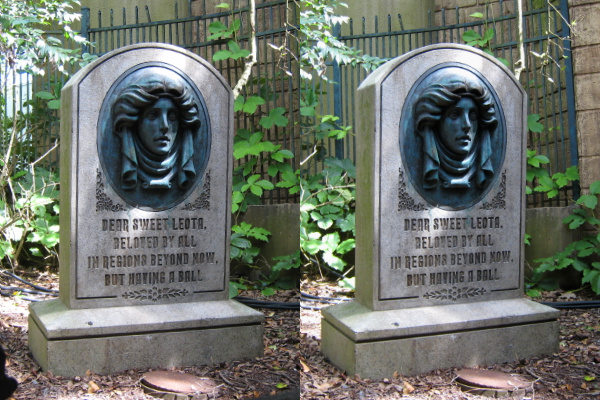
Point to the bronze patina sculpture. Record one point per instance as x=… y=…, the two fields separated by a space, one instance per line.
x=455 y=118
x=154 y=140
x=156 y=121
x=453 y=136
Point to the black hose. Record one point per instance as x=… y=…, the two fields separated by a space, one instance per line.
x=41 y=288
x=312 y=297
x=267 y=304
x=570 y=305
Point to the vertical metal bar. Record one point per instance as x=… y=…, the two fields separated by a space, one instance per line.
x=124 y=17
x=573 y=148
x=137 y=26
x=337 y=96
x=112 y=31
x=85 y=28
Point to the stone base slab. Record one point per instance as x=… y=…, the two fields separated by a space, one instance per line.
x=375 y=344
x=69 y=342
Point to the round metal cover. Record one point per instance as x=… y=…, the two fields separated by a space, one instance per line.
x=178 y=382
x=492 y=379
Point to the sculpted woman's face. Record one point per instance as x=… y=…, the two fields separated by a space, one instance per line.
x=158 y=126
x=458 y=126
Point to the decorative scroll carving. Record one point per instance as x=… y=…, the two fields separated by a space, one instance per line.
x=103 y=202
x=499 y=200
x=203 y=201
x=155 y=294
x=405 y=202
x=455 y=293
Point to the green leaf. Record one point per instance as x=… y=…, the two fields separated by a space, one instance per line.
x=476 y=15
x=222 y=55
x=471 y=37
x=45 y=95
x=238 y=104
x=222 y=5
x=333 y=261
x=588 y=200
x=533 y=123
x=268 y=291
x=325 y=223
x=275 y=117
x=348 y=283
x=281 y=385
x=488 y=35
x=256 y=190
x=312 y=246
x=54 y=104
x=234 y=289
x=252 y=103
x=573 y=174
x=265 y=184
x=346 y=246
x=240 y=242
x=307 y=111
x=595 y=188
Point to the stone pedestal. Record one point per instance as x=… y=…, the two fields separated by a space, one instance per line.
x=376 y=344
x=440 y=200
x=70 y=342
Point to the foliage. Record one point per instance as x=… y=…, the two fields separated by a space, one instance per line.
x=254 y=154
x=475 y=39
x=327 y=225
x=23 y=42
x=582 y=254
x=29 y=218
x=318 y=44
x=28 y=193
x=327 y=218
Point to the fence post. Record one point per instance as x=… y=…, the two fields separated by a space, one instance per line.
x=337 y=96
x=573 y=145
x=85 y=28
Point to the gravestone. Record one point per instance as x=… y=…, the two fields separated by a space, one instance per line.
x=146 y=166
x=440 y=200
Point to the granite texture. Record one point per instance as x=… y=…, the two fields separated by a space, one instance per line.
x=146 y=167
x=439 y=247
x=410 y=250
x=120 y=254
x=70 y=342
x=414 y=355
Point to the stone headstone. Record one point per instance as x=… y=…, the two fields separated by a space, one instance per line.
x=146 y=166
x=441 y=202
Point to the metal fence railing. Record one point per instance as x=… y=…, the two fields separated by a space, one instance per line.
x=548 y=79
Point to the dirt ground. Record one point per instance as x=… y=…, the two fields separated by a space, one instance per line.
x=573 y=373
x=293 y=361
x=274 y=374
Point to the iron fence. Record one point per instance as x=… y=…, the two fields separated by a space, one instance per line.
x=548 y=77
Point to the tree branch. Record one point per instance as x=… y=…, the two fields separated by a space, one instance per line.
x=253 y=51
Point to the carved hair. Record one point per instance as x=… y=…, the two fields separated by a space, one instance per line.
x=127 y=110
x=428 y=112
x=135 y=98
x=440 y=96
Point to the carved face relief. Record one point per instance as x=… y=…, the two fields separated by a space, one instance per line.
x=158 y=126
x=452 y=136
x=458 y=126
x=155 y=136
